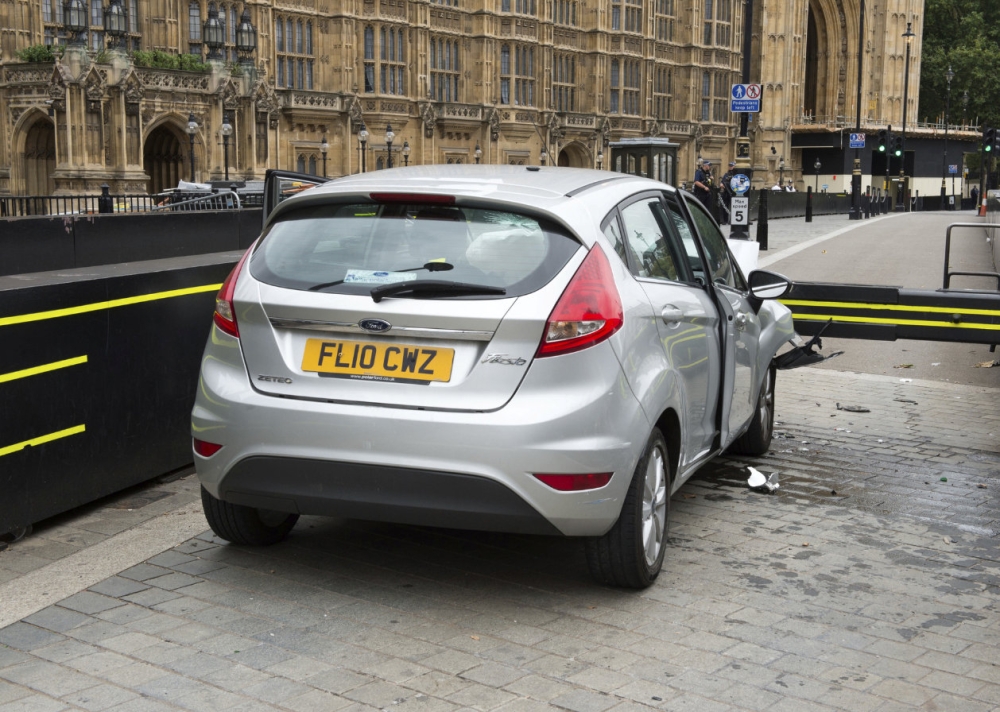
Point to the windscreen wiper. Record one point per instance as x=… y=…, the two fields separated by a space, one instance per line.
x=429 y=266
x=433 y=287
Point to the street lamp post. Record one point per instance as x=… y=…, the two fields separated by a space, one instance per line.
x=817 y=165
x=324 y=146
x=600 y=159
x=389 y=135
x=965 y=110
x=363 y=138
x=406 y=153
x=781 y=172
x=478 y=153
x=543 y=156
x=192 y=129
x=904 y=204
x=226 y=130
x=949 y=75
x=856 y=173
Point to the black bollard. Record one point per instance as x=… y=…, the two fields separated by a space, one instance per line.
x=104 y=202
x=762 y=219
x=809 y=203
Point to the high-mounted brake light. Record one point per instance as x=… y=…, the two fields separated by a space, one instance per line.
x=575 y=483
x=589 y=310
x=412 y=198
x=205 y=449
x=225 y=312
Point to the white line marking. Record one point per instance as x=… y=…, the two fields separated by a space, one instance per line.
x=789 y=251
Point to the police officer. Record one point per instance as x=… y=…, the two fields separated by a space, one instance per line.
x=703 y=183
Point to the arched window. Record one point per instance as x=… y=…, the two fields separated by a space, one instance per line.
x=279 y=35
x=309 y=38
x=194 y=28
x=312 y=165
x=370 y=59
x=300 y=166
x=444 y=69
x=615 y=81
x=379 y=164
x=298 y=36
x=505 y=74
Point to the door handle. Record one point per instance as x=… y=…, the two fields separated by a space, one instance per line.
x=741 y=321
x=671 y=314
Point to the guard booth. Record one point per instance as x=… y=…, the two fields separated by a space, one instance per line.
x=647 y=157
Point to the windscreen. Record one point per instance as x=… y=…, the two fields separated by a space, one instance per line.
x=353 y=248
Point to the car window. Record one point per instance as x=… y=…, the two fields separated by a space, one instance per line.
x=645 y=233
x=612 y=232
x=688 y=239
x=351 y=248
x=720 y=260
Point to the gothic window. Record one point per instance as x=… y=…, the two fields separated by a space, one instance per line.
x=133 y=24
x=391 y=67
x=632 y=81
x=312 y=164
x=565 y=12
x=293 y=46
x=616 y=14
x=453 y=3
x=524 y=75
x=720 y=107
x=633 y=15
x=615 y=84
x=444 y=69
x=194 y=28
x=52 y=18
x=504 y=5
x=718 y=23
x=96 y=25
x=525 y=7
x=564 y=82
x=665 y=18
x=505 y=74
x=663 y=92
x=706 y=92
x=370 y=59
x=300 y=166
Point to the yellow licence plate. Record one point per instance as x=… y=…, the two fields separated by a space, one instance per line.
x=377 y=361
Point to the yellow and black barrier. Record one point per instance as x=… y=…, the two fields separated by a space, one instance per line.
x=879 y=313
x=98 y=371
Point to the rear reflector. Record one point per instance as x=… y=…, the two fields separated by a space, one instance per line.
x=205 y=449
x=576 y=483
x=412 y=198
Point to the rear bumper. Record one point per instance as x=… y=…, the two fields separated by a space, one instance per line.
x=380 y=493
x=572 y=414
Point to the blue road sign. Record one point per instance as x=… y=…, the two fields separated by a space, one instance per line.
x=745 y=98
x=953 y=168
x=857 y=140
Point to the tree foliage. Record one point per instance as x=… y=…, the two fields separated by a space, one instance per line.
x=965 y=35
x=38 y=53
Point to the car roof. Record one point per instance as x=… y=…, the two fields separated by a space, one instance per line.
x=541 y=187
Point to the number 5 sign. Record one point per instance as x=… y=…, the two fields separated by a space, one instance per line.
x=740 y=211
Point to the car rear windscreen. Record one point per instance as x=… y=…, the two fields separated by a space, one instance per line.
x=352 y=248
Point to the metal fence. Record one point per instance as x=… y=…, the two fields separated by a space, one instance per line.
x=55 y=205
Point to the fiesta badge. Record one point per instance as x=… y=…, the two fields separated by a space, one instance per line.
x=375 y=326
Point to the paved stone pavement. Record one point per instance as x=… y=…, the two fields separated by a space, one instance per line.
x=869 y=581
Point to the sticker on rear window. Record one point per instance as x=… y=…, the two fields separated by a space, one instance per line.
x=365 y=276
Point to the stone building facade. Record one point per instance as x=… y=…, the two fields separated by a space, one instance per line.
x=512 y=77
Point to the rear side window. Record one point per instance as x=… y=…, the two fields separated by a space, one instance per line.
x=351 y=248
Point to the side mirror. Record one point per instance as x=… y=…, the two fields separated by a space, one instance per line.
x=768 y=285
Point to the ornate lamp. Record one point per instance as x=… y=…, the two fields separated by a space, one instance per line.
x=324 y=146
x=478 y=153
x=363 y=138
x=246 y=38
x=543 y=156
x=75 y=21
x=214 y=33
x=389 y=136
x=406 y=153
x=115 y=24
x=226 y=130
x=192 y=129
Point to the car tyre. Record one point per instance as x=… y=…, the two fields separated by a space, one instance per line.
x=631 y=554
x=239 y=524
x=757 y=439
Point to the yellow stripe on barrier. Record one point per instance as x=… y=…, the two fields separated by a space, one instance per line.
x=890 y=307
x=44 y=368
x=838 y=319
x=42 y=439
x=110 y=304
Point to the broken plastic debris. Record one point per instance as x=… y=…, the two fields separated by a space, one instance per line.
x=944 y=479
x=906 y=380
x=981 y=486
x=988 y=364
x=936 y=363
x=758 y=483
x=904 y=365
x=947 y=540
x=905 y=400
x=853 y=408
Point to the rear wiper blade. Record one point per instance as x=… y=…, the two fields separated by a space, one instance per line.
x=429 y=266
x=433 y=286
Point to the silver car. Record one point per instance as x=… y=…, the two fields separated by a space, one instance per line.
x=506 y=348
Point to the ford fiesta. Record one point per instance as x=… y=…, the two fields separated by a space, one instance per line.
x=504 y=348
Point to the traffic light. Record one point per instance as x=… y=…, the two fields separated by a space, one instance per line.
x=897 y=146
x=989 y=139
x=883 y=140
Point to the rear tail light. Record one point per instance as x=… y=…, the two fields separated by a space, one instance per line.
x=589 y=310
x=205 y=449
x=413 y=198
x=225 y=311
x=575 y=483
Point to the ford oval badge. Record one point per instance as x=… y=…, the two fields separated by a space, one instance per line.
x=375 y=325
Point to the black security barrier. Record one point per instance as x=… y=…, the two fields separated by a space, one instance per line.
x=782 y=204
x=98 y=371
x=43 y=244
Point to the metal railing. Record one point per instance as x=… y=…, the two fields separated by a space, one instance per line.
x=57 y=205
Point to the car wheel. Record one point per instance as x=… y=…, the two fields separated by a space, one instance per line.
x=757 y=439
x=246 y=525
x=631 y=553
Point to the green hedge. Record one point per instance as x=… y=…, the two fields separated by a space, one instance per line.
x=164 y=60
x=39 y=53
